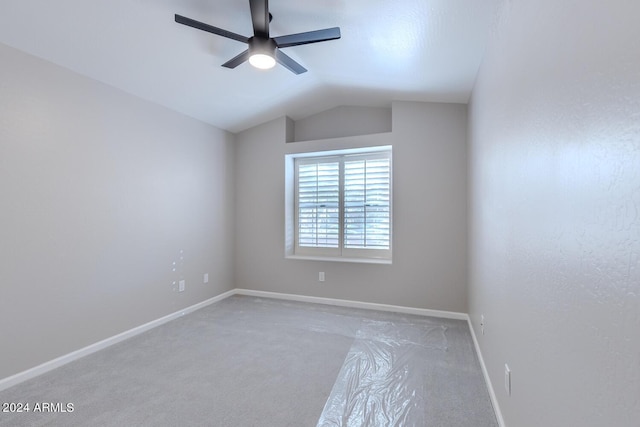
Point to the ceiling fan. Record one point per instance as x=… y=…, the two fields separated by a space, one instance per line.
x=264 y=50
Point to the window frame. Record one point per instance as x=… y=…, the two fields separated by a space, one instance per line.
x=292 y=247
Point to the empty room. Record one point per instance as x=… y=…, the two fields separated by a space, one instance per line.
x=320 y=213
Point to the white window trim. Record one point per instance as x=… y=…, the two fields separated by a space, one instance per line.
x=338 y=255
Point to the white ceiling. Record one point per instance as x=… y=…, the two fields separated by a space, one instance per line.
x=422 y=50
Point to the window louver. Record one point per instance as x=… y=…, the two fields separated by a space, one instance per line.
x=319 y=205
x=367 y=204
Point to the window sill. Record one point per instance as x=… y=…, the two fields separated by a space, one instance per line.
x=340 y=259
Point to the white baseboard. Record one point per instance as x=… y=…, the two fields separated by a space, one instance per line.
x=487 y=380
x=70 y=357
x=355 y=304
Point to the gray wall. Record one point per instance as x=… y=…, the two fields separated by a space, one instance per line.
x=554 y=221
x=345 y=120
x=100 y=194
x=429 y=269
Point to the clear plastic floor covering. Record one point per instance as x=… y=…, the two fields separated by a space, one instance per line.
x=382 y=380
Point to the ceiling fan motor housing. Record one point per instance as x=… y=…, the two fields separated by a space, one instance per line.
x=260 y=45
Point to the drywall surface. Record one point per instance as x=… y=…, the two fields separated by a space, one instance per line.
x=343 y=121
x=106 y=202
x=429 y=214
x=555 y=212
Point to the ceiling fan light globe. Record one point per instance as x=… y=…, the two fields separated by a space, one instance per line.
x=262 y=61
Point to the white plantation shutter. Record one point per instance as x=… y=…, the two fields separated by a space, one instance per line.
x=367 y=197
x=343 y=205
x=318 y=206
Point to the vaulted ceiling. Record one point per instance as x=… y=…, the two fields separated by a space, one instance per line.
x=422 y=50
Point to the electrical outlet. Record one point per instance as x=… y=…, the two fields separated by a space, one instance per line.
x=181 y=285
x=507 y=379
x=205 y=278
x=321 y=276
x=482 y=324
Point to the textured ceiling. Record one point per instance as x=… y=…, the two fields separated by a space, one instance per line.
x=423 y=50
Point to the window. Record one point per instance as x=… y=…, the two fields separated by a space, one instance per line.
x=342 y=204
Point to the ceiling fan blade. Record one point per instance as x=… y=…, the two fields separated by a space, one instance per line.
x=308 y=37
x=237 y=60
x=288 y=63
x=260 y=17
x=210 y=29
